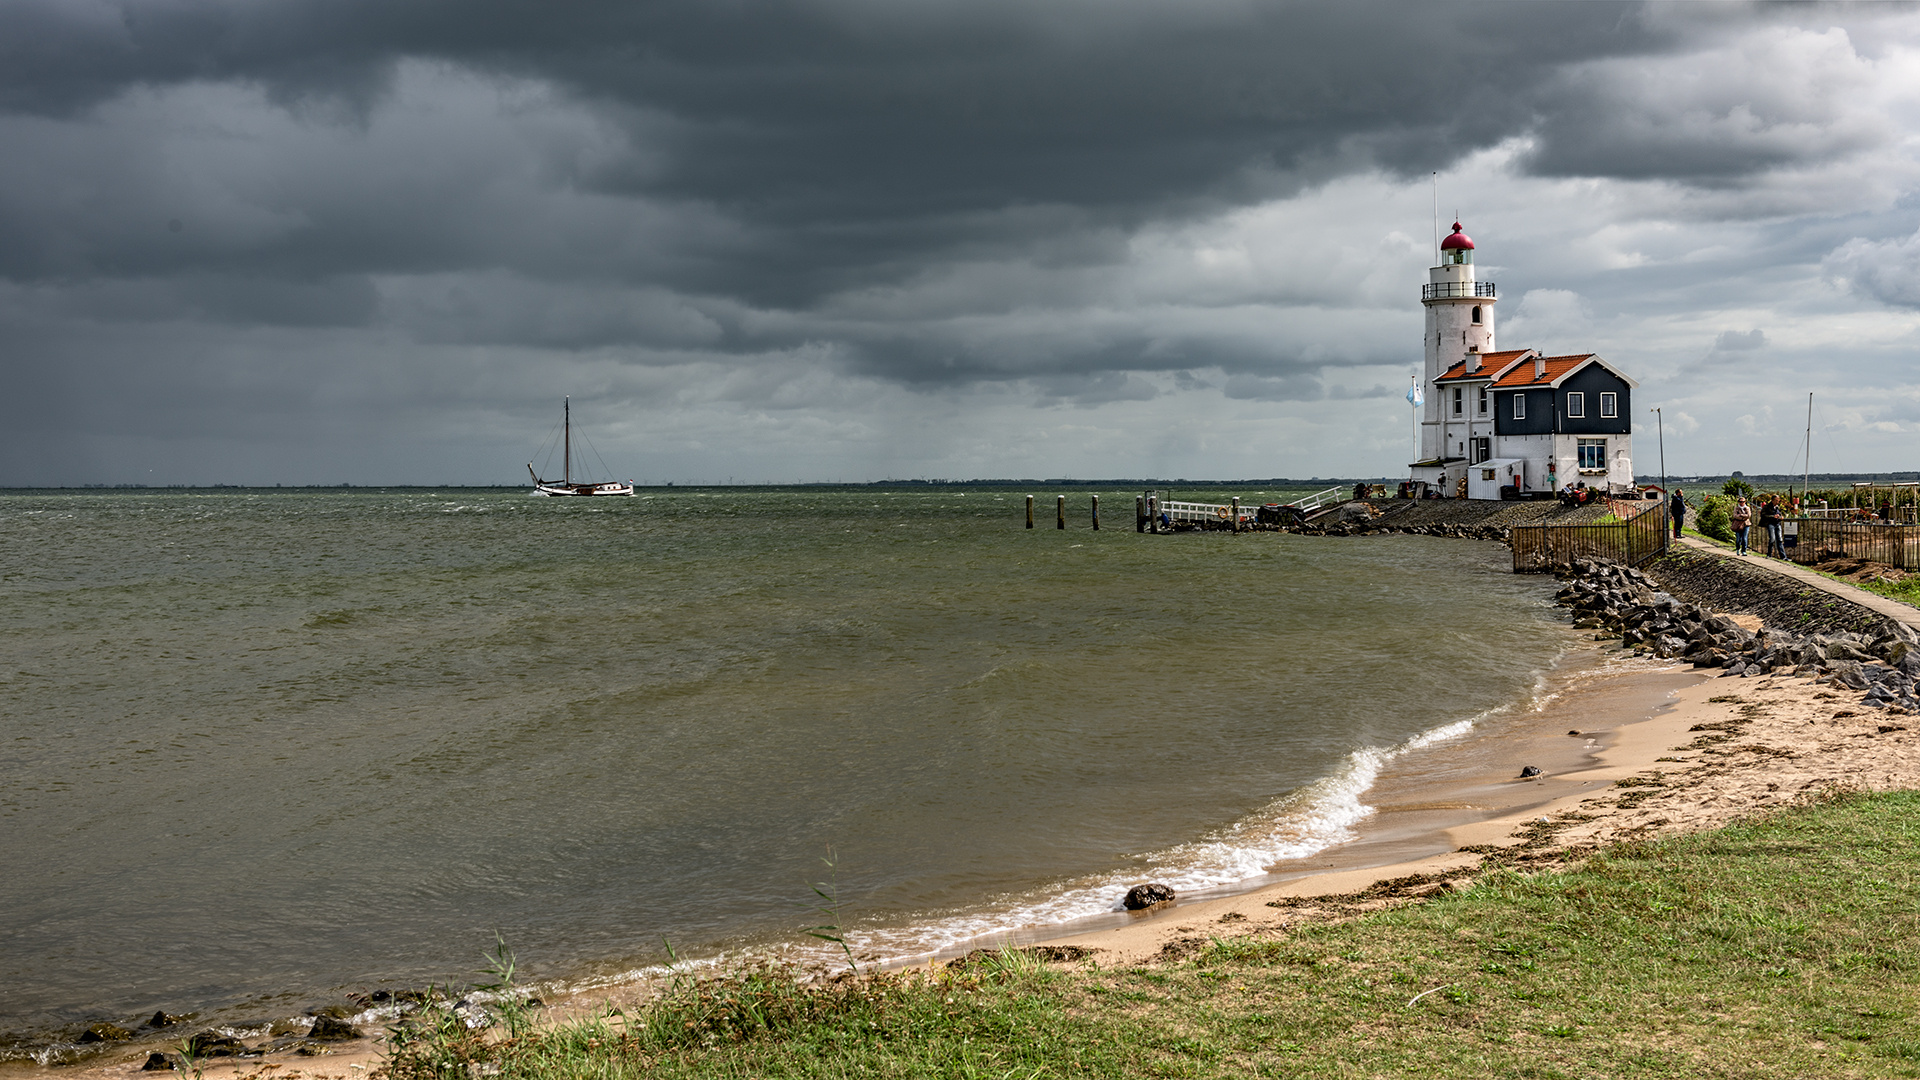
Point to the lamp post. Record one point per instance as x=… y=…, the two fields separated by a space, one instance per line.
x=1660 y=426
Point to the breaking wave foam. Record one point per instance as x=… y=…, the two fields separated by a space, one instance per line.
x=1303 y=822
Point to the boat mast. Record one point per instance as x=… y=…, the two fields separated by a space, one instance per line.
x=566 y=456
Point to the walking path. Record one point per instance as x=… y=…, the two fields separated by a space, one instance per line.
x=1892 y=609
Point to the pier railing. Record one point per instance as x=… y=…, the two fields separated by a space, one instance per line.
x=1632 y=540
x=1219 y=513
x=1321 y=498
x=1823 y=538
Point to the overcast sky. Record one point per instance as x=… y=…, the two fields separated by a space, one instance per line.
x=375 y=241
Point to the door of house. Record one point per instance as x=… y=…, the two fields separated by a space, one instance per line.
x=1482 y=449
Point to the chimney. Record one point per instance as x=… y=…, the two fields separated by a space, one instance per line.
x=1473 y=359
x=1539 y=367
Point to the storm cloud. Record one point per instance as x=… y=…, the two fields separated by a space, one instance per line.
x=842 y=239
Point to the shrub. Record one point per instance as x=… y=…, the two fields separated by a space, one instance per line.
x=1715 y=518
x=1737 y=487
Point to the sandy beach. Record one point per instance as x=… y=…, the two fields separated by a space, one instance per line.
x=1721 y=749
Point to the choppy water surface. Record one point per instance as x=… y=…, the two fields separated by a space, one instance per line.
x=258 y=747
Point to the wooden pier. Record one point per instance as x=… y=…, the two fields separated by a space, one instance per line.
x=1153 y=512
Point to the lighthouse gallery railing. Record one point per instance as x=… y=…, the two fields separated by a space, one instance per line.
x=1444 y=290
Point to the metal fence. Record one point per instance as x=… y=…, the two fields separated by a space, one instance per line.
x=1824 y=538
x=1632 y=540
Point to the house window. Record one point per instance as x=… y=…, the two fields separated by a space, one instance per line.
x=1482 y=450
x=1476 y=315
x=1593 y=455
x=1576 y=404
x=1609 y=405
x=1519 y=406
x=1483 y=401
x=1457 y=401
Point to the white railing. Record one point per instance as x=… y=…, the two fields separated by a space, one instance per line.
x=1321 y=498
x=1193 y=511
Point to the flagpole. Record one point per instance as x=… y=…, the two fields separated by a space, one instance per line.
x=1415 y=398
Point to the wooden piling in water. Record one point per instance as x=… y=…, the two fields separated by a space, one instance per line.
x=1029 y=511
x=1236 y=513
x=1139 y=513
x=1096 y=513
x=1059 y=511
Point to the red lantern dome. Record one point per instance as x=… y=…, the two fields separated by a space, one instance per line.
x=1457 y=240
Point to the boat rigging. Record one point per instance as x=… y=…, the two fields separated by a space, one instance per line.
x=566 y=484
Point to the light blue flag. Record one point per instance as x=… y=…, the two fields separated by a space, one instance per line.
x=1414 y=395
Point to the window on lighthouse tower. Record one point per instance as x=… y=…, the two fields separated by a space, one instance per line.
x=1476 y=315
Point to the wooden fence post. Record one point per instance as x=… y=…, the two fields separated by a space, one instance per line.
x=1029 y=511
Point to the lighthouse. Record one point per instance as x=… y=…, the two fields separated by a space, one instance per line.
x=1514 y=423
x=1459 y=309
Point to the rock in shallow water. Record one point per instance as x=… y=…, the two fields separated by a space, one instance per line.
x=332 y=1027
x=1529 y=772
x=1142 y=897
x=214 y=1044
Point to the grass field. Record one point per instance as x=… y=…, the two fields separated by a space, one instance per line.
x=1786 y=946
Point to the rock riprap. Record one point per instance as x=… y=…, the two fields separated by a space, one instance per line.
x=1619 y=599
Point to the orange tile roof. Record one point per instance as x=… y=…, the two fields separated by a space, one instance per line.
x=1490 y=365
x=1556 y=366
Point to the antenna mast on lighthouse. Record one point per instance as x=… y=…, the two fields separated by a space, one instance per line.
x=1436 y=215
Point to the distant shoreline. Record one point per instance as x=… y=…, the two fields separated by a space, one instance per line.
x=1142 y=483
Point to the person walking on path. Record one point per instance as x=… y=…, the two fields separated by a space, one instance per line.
x=1742 y=518
x=1770 y=520
x=1677 y=510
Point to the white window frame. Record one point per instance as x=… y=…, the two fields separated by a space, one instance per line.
x=1520 y=405
x=1599 y=446
x=1459 y=401
x=1486 y=397
x=1576 y=405
x=1609 y=405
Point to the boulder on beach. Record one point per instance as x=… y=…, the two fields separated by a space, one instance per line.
x=1143 y=897
x=332 y=1027
x=213 y=1044
x=157 y=1062
x=1529 y=772
x=105 y=1032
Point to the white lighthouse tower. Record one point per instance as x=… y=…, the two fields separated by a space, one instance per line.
x=1459 y=331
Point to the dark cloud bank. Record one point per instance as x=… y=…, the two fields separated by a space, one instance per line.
x=307 y=236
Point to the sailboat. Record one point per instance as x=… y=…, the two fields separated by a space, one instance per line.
x=566 y=485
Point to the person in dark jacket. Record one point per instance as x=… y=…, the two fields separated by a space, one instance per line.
x=1770 y=520
x=1677 y=509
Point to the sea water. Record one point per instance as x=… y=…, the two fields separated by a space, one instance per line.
x=260 y=748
